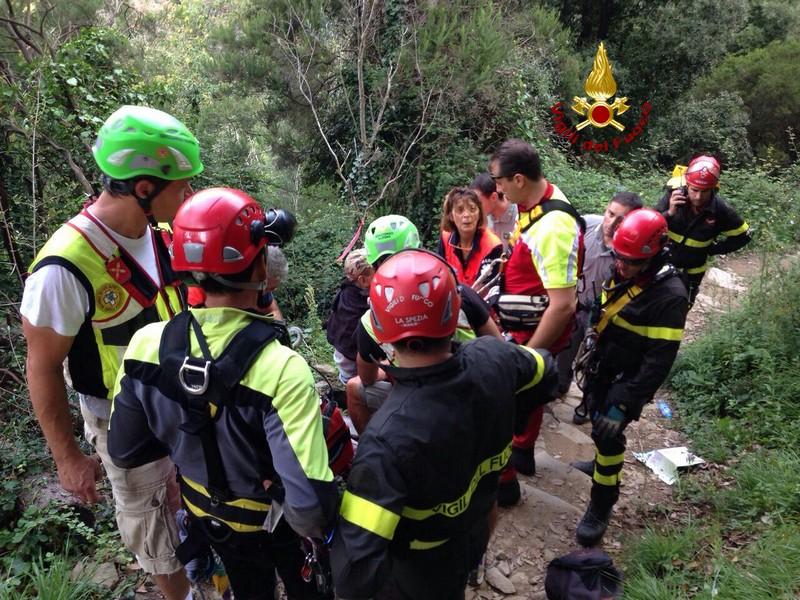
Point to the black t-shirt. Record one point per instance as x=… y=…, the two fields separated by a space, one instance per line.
x=473 y=306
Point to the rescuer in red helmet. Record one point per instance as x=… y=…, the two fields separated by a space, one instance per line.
x=235 y=409
x=697 y=216
x=629 y=353
x=415 y=516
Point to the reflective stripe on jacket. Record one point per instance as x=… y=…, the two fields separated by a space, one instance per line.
x=270 y=427
x=640 y=342
x=428 y=464
x=116 y=310
x=545 y=255
x=693 y=238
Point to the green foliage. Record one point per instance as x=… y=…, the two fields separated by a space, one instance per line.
x=766 y=81
x=767 y=485
x=321 y=237
x=769 y=568
x=717 y=124
x=738 y=384
x=661 y=553
x=52 y=580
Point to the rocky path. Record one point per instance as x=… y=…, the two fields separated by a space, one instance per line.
x=542 y=526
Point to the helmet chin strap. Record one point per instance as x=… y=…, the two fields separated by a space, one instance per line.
x=146 y=202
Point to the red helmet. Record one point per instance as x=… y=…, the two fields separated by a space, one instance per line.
x=218 y=230
x=414 y=294
x=703 y=172
x=641 y=235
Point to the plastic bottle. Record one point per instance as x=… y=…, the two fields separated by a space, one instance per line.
x=666 y=411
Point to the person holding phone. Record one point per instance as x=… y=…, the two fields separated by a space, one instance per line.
x=697 y=216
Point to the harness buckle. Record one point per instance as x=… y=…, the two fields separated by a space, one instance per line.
x=193 y=369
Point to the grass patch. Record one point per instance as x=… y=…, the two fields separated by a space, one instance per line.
x=662 y=553
x=736 y=388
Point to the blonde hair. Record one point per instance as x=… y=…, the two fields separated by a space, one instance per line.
x=356 y=264
x=451 y=199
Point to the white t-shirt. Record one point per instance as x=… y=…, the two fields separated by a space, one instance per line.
x=53 y=297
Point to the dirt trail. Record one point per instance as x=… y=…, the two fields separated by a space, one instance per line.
x=542 y=526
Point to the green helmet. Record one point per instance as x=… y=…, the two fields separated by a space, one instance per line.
x=137 y=140
x=389 y=234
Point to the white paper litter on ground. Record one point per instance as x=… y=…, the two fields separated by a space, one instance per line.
x=666 y=462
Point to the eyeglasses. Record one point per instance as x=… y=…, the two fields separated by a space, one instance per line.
x=496 y=177
x=628 y=261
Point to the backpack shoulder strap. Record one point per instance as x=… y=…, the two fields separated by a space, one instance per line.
x=202 y=385
x=551 y=204
x=237 y=358
x=555 y=204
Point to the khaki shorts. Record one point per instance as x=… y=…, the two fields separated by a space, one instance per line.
x=375 y=395
x=146 y=499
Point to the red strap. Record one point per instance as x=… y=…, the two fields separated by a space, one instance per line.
x=352 y=243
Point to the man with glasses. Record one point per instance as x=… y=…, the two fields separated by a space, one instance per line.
x=643 y=312
x=537 y=304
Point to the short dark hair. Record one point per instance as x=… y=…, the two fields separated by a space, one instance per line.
x=628 y=199
x=484 y=184
x=517 y=156
x=423 y=345
x=212 y=286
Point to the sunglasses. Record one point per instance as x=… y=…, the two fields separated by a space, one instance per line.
x=496 y=177
x=628 y=261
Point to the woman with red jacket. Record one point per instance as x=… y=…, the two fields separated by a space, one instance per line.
x=466 y=243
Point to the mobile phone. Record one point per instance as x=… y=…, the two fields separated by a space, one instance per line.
x=684 y=191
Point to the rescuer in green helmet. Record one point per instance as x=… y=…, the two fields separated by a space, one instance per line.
x=99 y=278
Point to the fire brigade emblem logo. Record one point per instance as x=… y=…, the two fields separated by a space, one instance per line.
x=600 y=86
x=109 y=297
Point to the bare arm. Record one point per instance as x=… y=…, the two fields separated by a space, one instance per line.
x=369 y=372
x=555 y=318
x=47 y=350
x=489 y=328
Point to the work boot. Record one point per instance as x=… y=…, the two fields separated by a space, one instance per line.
x=522 y=460
x=592 y=526
x=584 y=466
x=508 y=493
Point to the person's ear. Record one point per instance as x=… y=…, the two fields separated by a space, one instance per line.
x=143 y=188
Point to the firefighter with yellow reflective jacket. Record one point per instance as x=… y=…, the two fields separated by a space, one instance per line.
x=638 y=334
x=234 y=408
x=415 y=516
x=697 y=216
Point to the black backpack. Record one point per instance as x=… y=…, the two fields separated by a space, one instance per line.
x=586 y=574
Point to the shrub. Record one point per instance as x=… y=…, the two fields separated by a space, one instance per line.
x=738 y=385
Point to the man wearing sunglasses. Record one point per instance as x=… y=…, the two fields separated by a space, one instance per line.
x=643 y=312
x=538 y=299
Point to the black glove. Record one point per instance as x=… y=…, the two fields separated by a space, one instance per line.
x=609 y=425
